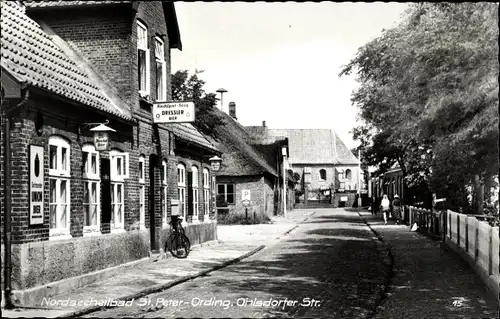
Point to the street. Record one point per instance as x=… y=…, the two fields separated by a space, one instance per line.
x=330 y=266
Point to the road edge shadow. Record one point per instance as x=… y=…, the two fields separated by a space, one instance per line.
x=389 y=261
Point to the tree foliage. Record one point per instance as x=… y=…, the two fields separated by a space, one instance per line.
x=428 y=96
x=187 y=87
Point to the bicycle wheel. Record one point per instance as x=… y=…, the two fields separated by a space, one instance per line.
x=179 y=245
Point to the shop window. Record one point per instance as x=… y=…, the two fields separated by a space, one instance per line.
x=225 y=192
x=143 y=58
x=59 y=186
x=161 y=70
x=91 y=190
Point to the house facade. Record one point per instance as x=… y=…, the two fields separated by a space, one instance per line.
x=251 y=169
x=326 y=167
x=73 y=209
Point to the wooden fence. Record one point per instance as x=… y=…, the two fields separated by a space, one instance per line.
x=472 y=238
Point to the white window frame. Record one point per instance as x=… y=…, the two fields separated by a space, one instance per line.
x=142 y=192
x=206 y=194
x=89 y=178
x=196 y=193
x=181 y=188
x=160 y=58
x=164 y=186
x=116 y=174
x=225 y=192
x=60 y=173
x=144 y=47
x=117 y=224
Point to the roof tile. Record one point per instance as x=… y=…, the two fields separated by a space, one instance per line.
x=30 y=56
x=315 y=146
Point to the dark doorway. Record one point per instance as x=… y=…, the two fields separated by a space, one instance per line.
x=153 y=159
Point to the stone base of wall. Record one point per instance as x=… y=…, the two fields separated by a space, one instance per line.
x=48 y=268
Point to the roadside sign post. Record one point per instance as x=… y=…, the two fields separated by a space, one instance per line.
x=246 y=203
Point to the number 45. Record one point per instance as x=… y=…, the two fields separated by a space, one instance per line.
x=457 y=303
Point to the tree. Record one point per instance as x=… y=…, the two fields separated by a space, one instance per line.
x=429 y=97
x=187 y=87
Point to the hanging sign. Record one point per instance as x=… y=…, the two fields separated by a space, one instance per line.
x=36 y=185
x=101 y=141
x=173 y=112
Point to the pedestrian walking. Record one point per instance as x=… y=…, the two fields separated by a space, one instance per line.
x=397 y=206
x=385 y=208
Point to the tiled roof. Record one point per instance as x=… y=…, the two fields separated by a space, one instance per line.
x=239 y=156
x=315 y=146
x=66 y=3
x=29 y=55
x=189 y=133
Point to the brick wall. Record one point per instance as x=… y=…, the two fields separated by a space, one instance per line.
x=107 y=38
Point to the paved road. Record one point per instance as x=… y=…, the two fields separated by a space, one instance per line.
x=331 y=266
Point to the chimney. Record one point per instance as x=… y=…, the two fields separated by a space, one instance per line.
x=263 y=123
x=232 y=110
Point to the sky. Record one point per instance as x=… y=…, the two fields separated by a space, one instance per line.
x=280 y=62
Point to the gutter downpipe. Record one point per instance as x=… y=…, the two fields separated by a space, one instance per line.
x=7 y=205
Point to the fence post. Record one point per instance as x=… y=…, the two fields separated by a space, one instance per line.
x=466 y=234
x=490 y=252
x=410 y=215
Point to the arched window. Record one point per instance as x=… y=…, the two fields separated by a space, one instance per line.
x=348 y=174
x=59 y=188
x=322 y=174
x=194 y=174
x=91 y=190
x=142 y=191
x=181 y=188
x=206 y=193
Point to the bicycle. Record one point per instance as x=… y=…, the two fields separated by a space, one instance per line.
x=177 y=242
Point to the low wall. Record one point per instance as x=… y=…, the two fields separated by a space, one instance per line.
x=478 y=243
x=48 y=268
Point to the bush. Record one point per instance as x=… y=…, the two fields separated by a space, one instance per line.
x=231 y=218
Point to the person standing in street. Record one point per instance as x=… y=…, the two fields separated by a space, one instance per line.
x=385 y=208
x=374 y=205
x=397 y=206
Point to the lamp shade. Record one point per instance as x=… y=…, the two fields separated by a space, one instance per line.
x=101 y=137
x=215 y=163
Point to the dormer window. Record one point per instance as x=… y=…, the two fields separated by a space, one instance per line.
x=161 y=70
x=143 y=58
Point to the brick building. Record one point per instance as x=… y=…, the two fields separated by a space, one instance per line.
x=251 y=165
x=67 y=66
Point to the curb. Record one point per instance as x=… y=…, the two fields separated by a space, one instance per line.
x=384 y=291
x=164 y=286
